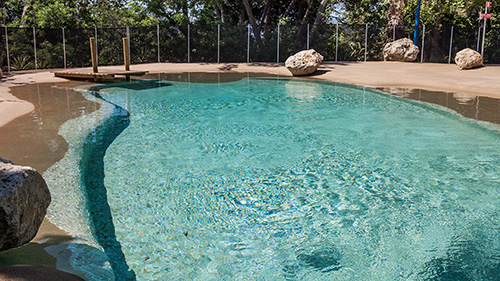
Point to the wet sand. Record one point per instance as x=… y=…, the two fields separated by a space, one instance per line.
x=484 y=82
x=33 y=140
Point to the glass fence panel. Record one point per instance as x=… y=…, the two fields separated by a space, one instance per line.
x=110 y=45
x=463 y=38
x=173 y=43
x=203 y=43
x=323 y=40
x=437 y=44
x=21 y=48
x=233 y=43
x=143 y=44
x=49 y=48
x=263 y=44
x=351 y=46
x=375 y=43
x=293 y=38
x=78 y=47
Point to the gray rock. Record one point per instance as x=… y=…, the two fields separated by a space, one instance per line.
x=401 y=50
x=24 y=198
x=468 y=58
x=304 y=62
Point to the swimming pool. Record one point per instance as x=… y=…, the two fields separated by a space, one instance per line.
x=279 y=179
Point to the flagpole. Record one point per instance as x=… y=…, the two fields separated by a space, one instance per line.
x=484 y=28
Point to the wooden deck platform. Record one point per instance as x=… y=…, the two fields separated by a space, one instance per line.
x=99 y=75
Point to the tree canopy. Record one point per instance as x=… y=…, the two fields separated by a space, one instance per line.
x=116 y=13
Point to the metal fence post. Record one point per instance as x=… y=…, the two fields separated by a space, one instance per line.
x=248 y=43
x=7 y=47
x=278 y=46
x=451 y=45
x=423 y=44
x=366 y=39
x=336 y=41
x=478 y=38
x=307 y=41
x=64 y=47
x=393 y=33
x=189 y=44
x=34 y=47
x=158 y=40
x=218 y=43
x=484 y=33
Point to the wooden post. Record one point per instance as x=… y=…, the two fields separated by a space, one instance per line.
x=93 y=53
x=126 y=54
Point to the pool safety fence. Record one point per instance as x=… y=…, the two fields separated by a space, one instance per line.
x=35 y=48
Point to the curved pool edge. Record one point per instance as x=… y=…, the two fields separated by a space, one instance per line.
x=68 y=209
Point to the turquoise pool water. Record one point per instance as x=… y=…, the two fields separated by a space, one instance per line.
x=277 y=179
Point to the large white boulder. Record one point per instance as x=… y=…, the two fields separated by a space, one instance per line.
x=468 y=58
x=304 y=62
x=401 y=50
x=24 y=198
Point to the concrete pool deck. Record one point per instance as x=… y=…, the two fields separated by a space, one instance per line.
x=483 y=81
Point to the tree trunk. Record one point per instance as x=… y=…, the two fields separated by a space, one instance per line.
x=395 y=18
x=265 y=12
x=300 y=10
x=267 y=15
x=23 y=15
x=317 y=20
x=305 y=19
x=217 y=12
x=242 y=16
x=255 y=27
x=289 y=8
x=222 y=13
x=321 y=9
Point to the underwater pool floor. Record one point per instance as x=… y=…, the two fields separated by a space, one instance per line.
x=283 y=179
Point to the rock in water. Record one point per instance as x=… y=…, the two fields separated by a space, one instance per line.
x=24 y=198
x=468 y=58
x=401 y=50
x=304 y=62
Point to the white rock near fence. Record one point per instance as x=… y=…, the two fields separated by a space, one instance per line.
x=468 y=58
x=304 y=62
x=401 y=50
x=24 y=198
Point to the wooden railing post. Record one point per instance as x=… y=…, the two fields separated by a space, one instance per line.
x=93 y=53
x=126 y=54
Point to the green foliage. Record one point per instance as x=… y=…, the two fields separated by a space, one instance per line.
x=22 y=62
x=366 y=11
x=459 y=13
x=53 y=15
